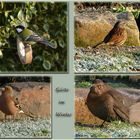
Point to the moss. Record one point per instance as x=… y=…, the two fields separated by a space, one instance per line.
x=130 y=42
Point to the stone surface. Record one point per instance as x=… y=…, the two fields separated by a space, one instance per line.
x=92 y=27
x=82 y=113
x=134 y=113
x=134 y=78
x=34 y=98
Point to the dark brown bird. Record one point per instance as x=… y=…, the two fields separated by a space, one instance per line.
x=8 y=105
x=110 y=104
x=116 y=37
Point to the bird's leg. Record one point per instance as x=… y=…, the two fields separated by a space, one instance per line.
x=102 y=124
x=5 y=117
x=10 y=118
x=13 y=118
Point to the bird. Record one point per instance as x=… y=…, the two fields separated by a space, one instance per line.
x=116 y=37
x=29 y=37
x=9 y=105
x=108 y=103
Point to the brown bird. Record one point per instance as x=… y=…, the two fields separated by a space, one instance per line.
x=109 y=104
x=8 y=105
x=116 y=37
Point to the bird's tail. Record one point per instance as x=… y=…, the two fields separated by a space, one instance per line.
x=99 y=44
x=29 y=115
x=47 y=43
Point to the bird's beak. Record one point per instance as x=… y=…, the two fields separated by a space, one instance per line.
x=21 y=111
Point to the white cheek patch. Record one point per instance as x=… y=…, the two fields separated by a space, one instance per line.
x=19 y=30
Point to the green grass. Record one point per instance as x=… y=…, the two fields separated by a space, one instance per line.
x=116 y=129
x=26 y=128
x=85 y=84
x=103 y=62
x=43 y=132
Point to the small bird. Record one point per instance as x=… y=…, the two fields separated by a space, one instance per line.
x=29 y=37
x=107 y=103
x=116 y=37
x=8 y=105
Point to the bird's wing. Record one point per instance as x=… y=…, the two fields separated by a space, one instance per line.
x=38 y=39
x=111 y=33
x=122 y=112
x=117 y=36
x=119 y=108
x=34 y=37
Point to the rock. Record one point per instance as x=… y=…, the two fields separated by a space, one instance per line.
x=82 y=114
x=134 y=78
x=134 y=114
x=92 y=27
x=34 y=98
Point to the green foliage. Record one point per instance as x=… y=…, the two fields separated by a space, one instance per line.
x=83 y=84
x=123 y=8
x=116 y=81
x=46 y=19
